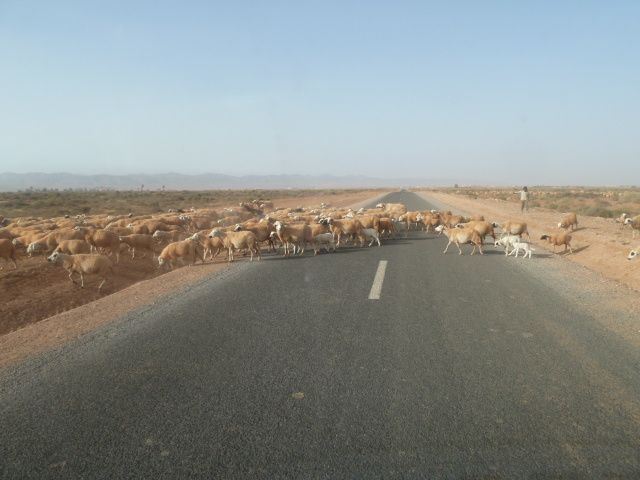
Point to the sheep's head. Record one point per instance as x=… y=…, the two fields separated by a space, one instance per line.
x=16 y=242
x=627 y=221
x=160 y=261
x=439 y=228
x=544 y=237
x=238 y=227
x=55 y=257
x=216 y=232
x=279 y=225
x=633 y=254
x=34 y=247
x=380 y=205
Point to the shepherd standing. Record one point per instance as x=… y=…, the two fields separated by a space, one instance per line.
x=524 y=199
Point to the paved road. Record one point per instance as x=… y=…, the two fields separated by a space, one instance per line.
x=464 y=368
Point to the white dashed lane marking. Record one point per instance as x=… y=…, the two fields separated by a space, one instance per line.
x=376 y=288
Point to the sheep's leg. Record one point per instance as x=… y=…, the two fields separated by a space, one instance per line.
x=81 y=280
x=71 y=278
x=447 y=247
x=378 y=240
x=459 y=249
x=133 y=253
x=101 y=284
x=258 y=252
x=480 y=248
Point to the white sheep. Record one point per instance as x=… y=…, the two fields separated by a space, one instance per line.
x=324 y=241
x=369 y=234
x=521 y=245
x=634 y=223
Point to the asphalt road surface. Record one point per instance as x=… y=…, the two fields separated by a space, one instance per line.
x=465 y=367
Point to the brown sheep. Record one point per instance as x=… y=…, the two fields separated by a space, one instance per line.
x=462 y=235
x=139 y=242
x=89 y=264
x=237 y=241
x=514 y=227
x=102 y=239
x=181 y=250
x=569 y=221
x=483 y=228
x=7 y=252
x=73 y=247
x=160 y=236
x=560 y=238
x=342 y=228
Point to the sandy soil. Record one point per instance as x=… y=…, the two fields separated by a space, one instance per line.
x=338 y=200
x=599 y=244
x=40 y=308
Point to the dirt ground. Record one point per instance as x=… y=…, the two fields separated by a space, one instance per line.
x=40 y=308
x=598 y=243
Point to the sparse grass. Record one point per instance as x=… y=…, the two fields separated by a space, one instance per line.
x=53 y=203
x=590 y=201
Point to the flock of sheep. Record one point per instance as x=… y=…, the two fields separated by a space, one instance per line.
x=92 y=245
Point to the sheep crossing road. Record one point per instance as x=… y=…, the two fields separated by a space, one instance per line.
x=464 y=367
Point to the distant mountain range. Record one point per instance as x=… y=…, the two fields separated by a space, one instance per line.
x=207 y=181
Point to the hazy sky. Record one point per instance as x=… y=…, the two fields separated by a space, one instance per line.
x=507 y=91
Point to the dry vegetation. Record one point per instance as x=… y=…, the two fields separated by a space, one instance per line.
x=54 y=203
x=593 y=202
